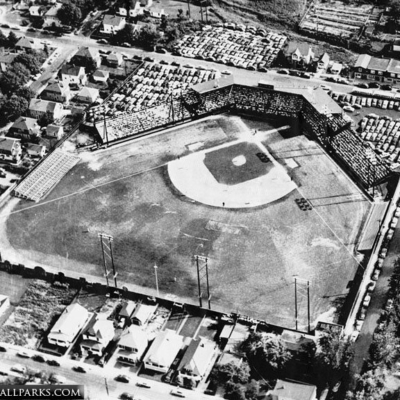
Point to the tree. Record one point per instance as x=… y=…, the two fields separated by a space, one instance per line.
x=266 y=353
x=164 y=22
x=30 y=61
x=252 y=390
x=12 y=39
x=26 y=93
x=3 y=39
x=223 y=373
x=69 y=14
x=14 y=107
x=126 y=34
x=15 y=77
x=234 y=391
x=148 y=37
x=332 y=359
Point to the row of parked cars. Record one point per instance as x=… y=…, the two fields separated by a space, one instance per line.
x=375 y=274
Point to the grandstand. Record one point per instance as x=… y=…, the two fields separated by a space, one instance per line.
x=329 y=129
x=43 y=178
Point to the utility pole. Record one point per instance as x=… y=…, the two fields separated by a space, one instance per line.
x=200 y=268
x=155 y=272
x=108 y=257
x=295 y=302
x=188 y=8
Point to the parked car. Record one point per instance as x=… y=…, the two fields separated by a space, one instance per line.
x=78 y=368
x=374 y=85
x=122 y=378
x=393 y=223
x=143 y=384
x=18 y=368
x=348 y=108
x=177 y=392
x=386 y=87
x=23 y=354
x=362 y=314
x=58 y=378
x=283 y=71
x=149 y=59
x=102 y=41
x=54 y=363
x=226 y=72
x=38 y=358
x=175 y=64
x=3 y=349
x=363 y=85
x=371 y=287
x=375 y=275
x=367 y=300
x=126 y=396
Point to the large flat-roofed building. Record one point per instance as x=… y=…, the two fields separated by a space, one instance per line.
x=163 y=351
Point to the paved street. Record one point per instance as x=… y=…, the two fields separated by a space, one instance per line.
x=96 y=380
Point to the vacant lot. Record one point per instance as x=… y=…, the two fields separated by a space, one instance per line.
x=36 y=312
x=125 y=192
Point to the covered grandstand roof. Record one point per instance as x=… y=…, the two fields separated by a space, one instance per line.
x=224 y=80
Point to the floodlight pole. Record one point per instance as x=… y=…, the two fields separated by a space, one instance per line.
x=110 y=239
x=155 y=272
x=308 y=306
x=208 y=287
x=104 y=259
x=295 y=302
x=198 y=281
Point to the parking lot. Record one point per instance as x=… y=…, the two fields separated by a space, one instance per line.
x=239 y=46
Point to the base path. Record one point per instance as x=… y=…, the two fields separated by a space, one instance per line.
x=270 y=182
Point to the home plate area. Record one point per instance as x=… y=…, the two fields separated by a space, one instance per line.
x=241 y=174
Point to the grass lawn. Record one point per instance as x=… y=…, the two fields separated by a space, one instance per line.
x=127 y=194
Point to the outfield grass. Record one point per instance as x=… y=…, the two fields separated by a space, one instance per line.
x=251 y=272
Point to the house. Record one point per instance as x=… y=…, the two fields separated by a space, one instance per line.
x=36 y=11
x=38 y=108
x=137 y=7
x=163 y=351
x=126 y=312
x=54 y=131
x=295 y=341
x=143 y=313
x=371 y=68
x=6 y=60
x=323 y=62
x=68 y=325
x=58 y=92
x=101 y=76
x=132 y=345
x=97 y=335
x=4 y=303
x=73 y=74
x=24 y=44
x=50 y=18
x=336 y=68
x=197 y=358
x=113 y=23
x=299 y=54
x=87 y=95
x=24 y=128
x=114 y=59
x=10 y=149
x=36 y=150
x=285 y=390
x=85 y=55
x=393 y=71
x=122 y=12
x=22 y=5
x=155 y=12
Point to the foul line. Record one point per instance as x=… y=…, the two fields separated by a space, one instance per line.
x=82 y=191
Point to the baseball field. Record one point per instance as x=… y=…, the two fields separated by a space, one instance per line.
x=254 y=253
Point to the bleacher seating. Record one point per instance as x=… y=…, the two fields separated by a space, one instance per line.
x=43 y=178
